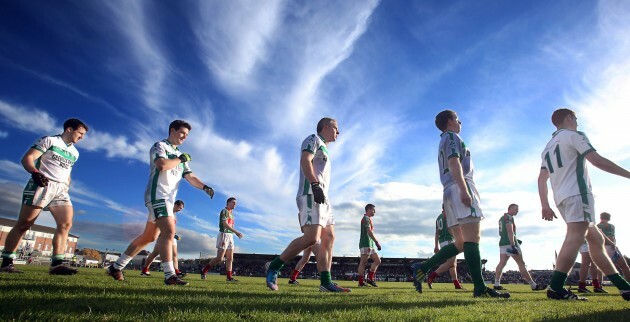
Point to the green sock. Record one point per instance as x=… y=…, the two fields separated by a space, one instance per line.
x=57 y=259
x=276 y=264
x=557 y=280
x=619 y=281
x=473 y=260
x=7 y=258
x=325 y=278
x=445 y=253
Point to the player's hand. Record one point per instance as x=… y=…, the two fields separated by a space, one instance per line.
x=465 y=196
x=548 y=214
x=184 y=157
x=514 y=250
x=208 y=190
x=239 y=235
x=378 y=246
x=436 y=250
x=39 y=179
x=318 y=193
x=177 y=237
x=519 y=241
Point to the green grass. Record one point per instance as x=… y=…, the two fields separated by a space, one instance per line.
x=91 y=295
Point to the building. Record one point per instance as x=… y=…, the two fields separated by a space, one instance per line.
x=37 y=239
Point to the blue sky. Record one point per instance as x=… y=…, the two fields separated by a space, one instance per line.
x=254 y=77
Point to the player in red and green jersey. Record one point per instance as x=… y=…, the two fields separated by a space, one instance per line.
x=225 y=240
x=610 y=243
x=367 y=242
x=510 y=246
x=443 y=237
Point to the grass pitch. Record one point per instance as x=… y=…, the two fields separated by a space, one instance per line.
x=91 y=295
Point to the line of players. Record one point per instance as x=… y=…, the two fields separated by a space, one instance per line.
x=563 y=162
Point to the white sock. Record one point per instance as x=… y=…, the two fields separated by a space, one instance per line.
x=532 y=284
x=497 y=282
x=122 y=261
x=168 y=269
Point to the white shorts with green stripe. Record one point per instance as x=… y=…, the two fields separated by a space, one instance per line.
x=160 y=208
x=456 y=211
x=311 y=213
x=54 y=194
x=578 y=209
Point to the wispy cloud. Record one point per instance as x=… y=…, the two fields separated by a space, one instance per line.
x=28 y=119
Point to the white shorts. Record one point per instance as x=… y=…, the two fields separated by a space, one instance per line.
x=574 y=209
x=458 y=213
x=504 y=250
x=160 y=208
x=367 y=251
x=225 y=241
x=584 y=248
x=311 y=213
x=612 y=252
x=444 y=243
x=174 y=242
x=54 y=194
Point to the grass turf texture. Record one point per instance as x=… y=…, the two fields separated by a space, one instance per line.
x=91 y=295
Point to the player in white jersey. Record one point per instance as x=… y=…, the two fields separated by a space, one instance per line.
x=315 y=212
x=168 y=167
x=49 y=161
x=461 y=205
x=564 y=162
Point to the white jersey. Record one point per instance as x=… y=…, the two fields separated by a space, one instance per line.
x=451 y=146
x=563 y=158
x=164 y=184
x=57 y=159
x=316 y=145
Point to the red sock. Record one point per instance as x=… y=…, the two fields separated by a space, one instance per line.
x=371 y=275
x=457 y=284
x=177 y=271
x=361 y=280
x=582 y=285
x=596 y=283
x=206 y=269
x=145 y=270
x=433 y=275
x=229 y=274
x=295 y=274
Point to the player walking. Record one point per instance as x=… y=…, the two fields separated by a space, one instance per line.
x=225 y=241
x=509 y=246
x=367 y=242
x=612 y=250
x=563 y=161
x=315 y=212
x=168 y=167
x=461 y=205
x=49 y=161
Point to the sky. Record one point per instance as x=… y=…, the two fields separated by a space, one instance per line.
x=254 y=78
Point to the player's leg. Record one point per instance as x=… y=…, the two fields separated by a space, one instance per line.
x=568 y=253
x=306 y=255
x=453 y=272
x=584 y=269
x=165 y=247
x=595 y=241
x=525 y=274
x=376 y=261
x=446 y=266
x=503 y=259
x=471 y=234
x=311 y=234
x=594 y=273
x=148 y=236
x=26 y=219
x=363 y=260
x=149 y=260
x=229 y=260
x=213 y=262
x=175 y=260
x=323 y=257
x=63 y=215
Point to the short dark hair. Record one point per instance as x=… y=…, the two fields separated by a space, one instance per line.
x=512 y=205
x=604 y=216
x=369 y=206
x=323 y=122
x=230 y=199
x=559 y=115
x=178 y=124
x=179 y=202
x=441 y=120
x=74 y=124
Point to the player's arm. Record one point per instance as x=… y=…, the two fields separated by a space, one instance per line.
x=543 y=193
x=510 y=233
x=197 y=183
x=164 y=164
x=604 y=164
x=455 y=167
x=306 y=164
x=228 y=226
x=370 y=233
x=28 y=160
